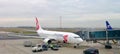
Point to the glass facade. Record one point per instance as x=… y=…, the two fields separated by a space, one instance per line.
x=113 y=34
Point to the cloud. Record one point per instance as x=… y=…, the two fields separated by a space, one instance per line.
x=43 y=8
x=56 y=6
x=21 y=8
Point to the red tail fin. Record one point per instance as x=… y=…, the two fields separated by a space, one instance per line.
x=37 y=24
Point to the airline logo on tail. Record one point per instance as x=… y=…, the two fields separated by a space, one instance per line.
x=108 y=26
x=38 y=27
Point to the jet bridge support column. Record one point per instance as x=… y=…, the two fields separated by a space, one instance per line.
x=107 y=44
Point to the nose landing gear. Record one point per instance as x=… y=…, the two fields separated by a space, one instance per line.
x=76 y=45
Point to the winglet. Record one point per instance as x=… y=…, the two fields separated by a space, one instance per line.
x=38 y=27
x=108 y=26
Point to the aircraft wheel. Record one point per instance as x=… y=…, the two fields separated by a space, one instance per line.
x=75 y=46
x=34 y=51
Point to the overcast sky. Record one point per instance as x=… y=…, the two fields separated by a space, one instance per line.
x=74 y=13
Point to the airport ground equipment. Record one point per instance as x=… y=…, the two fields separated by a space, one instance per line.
x=91 y=51
x=54 y=47
x=115 y=41
x=108 y=45
x=45 y=47
x=40 y=47
x=37 y=48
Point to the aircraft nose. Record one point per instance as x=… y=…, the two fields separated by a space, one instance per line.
x=80 y=40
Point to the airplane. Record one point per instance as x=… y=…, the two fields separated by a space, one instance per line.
x=49 y=36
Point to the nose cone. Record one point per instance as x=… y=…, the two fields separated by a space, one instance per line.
x=80 y=40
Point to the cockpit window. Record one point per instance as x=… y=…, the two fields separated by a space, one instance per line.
x=76 y=37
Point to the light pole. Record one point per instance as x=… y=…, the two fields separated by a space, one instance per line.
x=60 y=22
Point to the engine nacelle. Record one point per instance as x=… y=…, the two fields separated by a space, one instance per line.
x=47 y=40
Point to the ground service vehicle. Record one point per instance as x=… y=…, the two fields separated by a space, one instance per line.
x=91 y=51
x=40 y=47
x=54 y=47
x=37 y=48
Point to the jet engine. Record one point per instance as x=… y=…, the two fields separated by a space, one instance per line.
x=48 y=40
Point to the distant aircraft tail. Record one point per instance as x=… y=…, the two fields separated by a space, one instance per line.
x=108 y=25
x=38 y=27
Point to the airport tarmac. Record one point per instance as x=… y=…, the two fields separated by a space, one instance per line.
x=15 y=46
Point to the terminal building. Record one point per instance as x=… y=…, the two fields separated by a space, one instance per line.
x=99 y=34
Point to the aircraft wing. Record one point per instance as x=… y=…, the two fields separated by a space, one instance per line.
x=23 y=36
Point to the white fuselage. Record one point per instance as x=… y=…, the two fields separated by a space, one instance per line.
x=71 y=37
x=66 y=37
